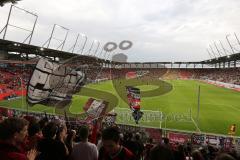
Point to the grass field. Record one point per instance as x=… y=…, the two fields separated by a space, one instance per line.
x=219 y=107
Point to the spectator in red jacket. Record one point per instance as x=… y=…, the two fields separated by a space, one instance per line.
x=13 y=132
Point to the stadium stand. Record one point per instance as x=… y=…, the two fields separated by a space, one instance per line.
x=41 y=132
x=14 y=80
x=41 y=136
x=227 y=75
x=171 y=74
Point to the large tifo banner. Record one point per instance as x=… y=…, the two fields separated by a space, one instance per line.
x=52 y=84
x=95 y=109
x=133 y=95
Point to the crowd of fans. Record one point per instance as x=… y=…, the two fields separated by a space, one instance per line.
x=45 y=138
x=227 y=75
x=14 y=76
x=13 y=80
x=42 y=138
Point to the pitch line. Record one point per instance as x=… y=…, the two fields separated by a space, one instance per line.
x=195 y=124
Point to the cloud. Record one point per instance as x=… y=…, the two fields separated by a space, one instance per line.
x=174 y=30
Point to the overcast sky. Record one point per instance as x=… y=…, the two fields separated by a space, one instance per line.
x=161 y=30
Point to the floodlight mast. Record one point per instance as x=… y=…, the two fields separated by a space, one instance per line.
x=217 y=49
x=229 y=43
x=9 y=14
x=73 y=47
x=49 y=41
x=84 y=44
x=223 y=48
x=237 y=38
x=97 y=48
x=209 y=54
x=100 y=53
x=51 y=37
x=5 y=28
x=90 y=47
x=213 y=51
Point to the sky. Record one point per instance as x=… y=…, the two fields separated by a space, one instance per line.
x=160 y=30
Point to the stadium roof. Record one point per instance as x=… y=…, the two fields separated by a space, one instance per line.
x=11 y=46
x=232 y=57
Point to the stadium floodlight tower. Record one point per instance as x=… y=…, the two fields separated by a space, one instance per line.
x=229 y=43
x=5 y=28
x=237 y=38
x=97 y=48
x=225 y=52
x=60 y=40
x=85 y=41
x=100 y=53
x=92 y=44
x=76 y=42
x=73 y=47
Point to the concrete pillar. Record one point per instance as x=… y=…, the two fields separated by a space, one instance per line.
x=235 y=63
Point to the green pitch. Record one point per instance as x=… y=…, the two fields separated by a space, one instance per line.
x=219 y=107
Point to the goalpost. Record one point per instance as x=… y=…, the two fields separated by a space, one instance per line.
x=124 y=116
